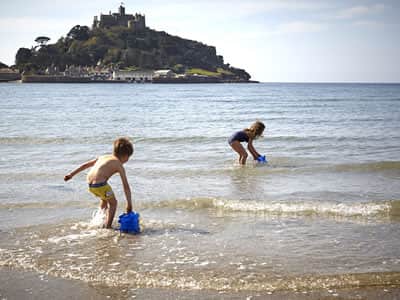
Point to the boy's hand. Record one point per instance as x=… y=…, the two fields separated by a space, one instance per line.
x=67 y=177
x=128 y=208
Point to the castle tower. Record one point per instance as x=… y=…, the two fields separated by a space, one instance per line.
x=121 y=10
x=141 y=22
x=135 y=22
x=131 y=25
x=95 y=22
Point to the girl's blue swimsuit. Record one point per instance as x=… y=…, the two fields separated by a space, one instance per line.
x=240 y=136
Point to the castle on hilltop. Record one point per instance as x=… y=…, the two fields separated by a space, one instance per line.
x=136 y=22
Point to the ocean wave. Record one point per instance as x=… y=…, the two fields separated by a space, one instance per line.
x=277 y=165
x=181 y=139
x=289 y=141
x=32 y=140
x=47 y=204
x=29 y=140
x=389 y=208
x=306 y=208
x=369 y=167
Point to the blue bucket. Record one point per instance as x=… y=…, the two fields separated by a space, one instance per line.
x=129 y=222
x=262 y=159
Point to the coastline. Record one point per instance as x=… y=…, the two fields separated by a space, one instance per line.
x=21 y=284
x=179 y=80
x=9 y=76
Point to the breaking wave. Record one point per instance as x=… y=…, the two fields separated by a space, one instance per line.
x=390 y=208
x=369 y=167
x=384 y=208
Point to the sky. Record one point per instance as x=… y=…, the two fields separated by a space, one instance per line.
x=273 y=40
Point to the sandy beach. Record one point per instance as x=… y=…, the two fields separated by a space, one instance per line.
x=15 y=284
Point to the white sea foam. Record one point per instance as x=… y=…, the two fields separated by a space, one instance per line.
x=73 y=237
x=87 y=229
x=302 y=207
x=98 y=218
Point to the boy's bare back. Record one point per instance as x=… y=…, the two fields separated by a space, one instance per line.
x=104 y=167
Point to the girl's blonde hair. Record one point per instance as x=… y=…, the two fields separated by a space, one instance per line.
x=255 y=130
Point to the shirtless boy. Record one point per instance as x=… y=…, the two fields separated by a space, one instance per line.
x=103 y=168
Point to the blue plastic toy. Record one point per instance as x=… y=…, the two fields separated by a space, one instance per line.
x=129 y=222
x=262 y=159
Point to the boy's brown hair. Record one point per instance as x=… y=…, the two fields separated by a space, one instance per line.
x=122 y=146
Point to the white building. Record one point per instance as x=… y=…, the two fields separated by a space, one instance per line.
x=138 y=76
x=164 y=73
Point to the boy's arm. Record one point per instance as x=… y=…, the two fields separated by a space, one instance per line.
x=127 y=189
x=82 y=167
x=252 y=149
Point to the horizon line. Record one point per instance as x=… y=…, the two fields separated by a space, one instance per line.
x=332 y=82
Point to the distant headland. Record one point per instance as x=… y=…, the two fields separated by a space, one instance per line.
x=119 y=47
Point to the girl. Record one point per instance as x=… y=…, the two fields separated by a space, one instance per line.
x=247 y=135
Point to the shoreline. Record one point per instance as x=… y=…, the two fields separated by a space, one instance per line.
x=70 y=79
x=23 y=284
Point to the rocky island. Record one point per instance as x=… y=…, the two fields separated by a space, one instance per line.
x=8 y=74
x=119 y=47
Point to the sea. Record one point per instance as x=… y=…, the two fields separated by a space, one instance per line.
x=322 y=214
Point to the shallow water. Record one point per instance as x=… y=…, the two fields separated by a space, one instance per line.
x=323 y=213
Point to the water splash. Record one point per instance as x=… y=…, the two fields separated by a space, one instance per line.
x=98 y=218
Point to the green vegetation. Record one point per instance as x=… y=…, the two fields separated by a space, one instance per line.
x=225 y=72
x=126 y=49
x=42 y=40
x=3 y=66
x=198 y=71
x=220 y=72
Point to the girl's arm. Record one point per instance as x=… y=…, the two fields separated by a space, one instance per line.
x=252 y=149
x=84 y=166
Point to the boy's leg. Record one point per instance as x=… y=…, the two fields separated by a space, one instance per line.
x=112 y=207
x=237 y=146
x=104 y=207
x=103 y=204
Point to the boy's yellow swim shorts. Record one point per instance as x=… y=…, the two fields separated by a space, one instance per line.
x=102 y=190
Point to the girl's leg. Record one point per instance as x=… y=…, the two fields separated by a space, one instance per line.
x=237 y=146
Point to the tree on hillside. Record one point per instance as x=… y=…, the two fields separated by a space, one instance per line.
x=42 y=40
x=23 y=57
x=78 y=32
x=120 y=46
x=2 y=66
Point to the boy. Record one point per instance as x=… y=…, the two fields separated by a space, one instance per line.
x=103 y=168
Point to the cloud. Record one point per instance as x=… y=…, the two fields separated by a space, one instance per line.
x=25 y=23
x=369 y=24
x=33 y=24
x=222 y=9
x=296 y=27
x=360 y=11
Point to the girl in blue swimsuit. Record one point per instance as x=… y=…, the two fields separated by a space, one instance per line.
x=246 y=135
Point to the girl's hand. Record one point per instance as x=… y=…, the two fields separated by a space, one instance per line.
x=67 y=177
x=128 y=208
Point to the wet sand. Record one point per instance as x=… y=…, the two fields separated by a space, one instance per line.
x=16 y=284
